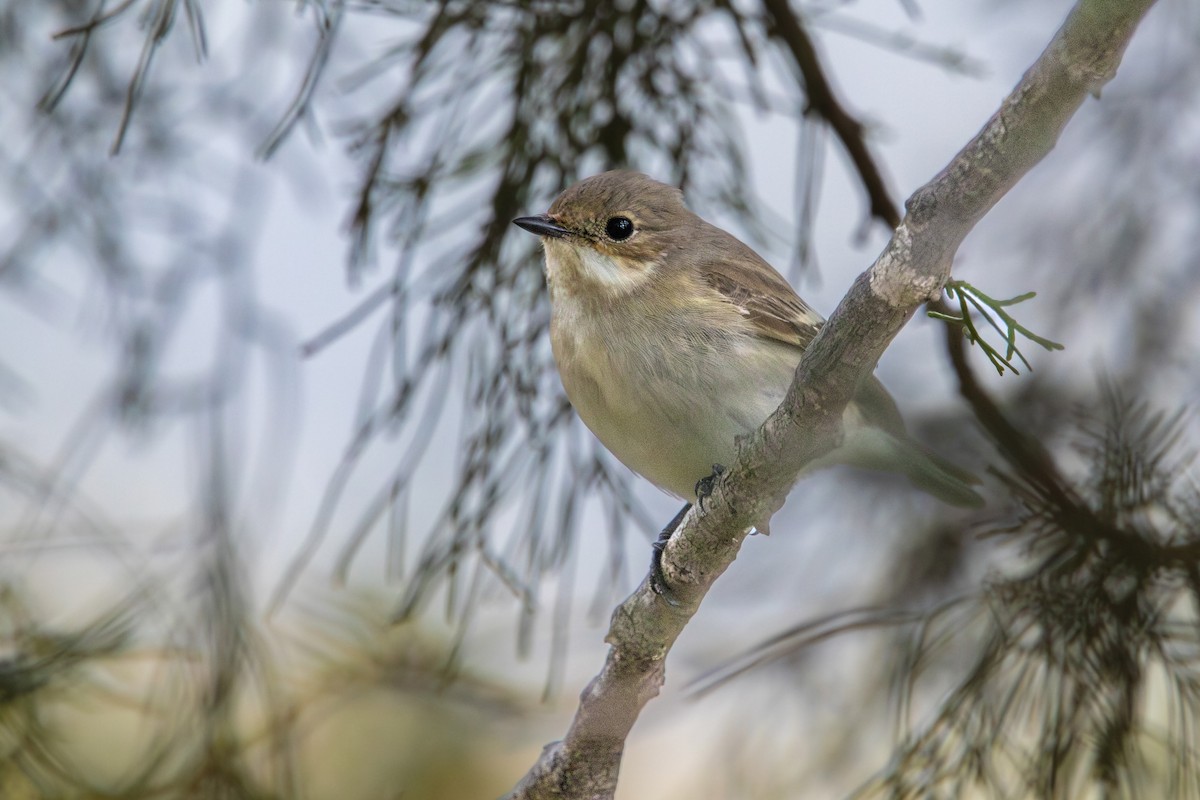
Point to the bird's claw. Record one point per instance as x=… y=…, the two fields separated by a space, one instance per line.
x=658 y=581
x=704 y=486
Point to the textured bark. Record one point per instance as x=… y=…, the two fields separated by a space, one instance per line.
x=912 y=269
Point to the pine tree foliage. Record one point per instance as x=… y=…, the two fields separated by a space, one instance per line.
x=1082 y=673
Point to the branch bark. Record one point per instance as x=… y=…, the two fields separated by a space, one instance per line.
x=911 y=270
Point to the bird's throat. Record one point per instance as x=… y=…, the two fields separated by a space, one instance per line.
x=581 y=268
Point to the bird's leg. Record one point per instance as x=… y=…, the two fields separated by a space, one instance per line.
x=658 y=581
x=704 y=486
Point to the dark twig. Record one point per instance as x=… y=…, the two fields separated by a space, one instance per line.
x=327 y=30
x=158 y=31
x=99 y=20
x=822 y=101
x=1023 y=452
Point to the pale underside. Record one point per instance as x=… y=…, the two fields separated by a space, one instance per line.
x=673 y=422
x=669 y=390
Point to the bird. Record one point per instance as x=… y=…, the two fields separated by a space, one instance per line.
x=673 y=338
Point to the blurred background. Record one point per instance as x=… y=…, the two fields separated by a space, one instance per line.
x=291 y=502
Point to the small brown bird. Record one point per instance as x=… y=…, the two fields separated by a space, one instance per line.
x=673 y=338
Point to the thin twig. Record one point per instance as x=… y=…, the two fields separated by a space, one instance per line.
x=327 y=30
x=824 y=103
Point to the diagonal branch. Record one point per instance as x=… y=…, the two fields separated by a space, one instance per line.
x=912 y=269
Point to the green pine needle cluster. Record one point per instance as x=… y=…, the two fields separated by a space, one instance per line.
x=973 y=303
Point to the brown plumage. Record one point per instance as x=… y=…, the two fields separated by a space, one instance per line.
x=673 y=338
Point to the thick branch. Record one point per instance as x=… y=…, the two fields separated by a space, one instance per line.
x=912 y=269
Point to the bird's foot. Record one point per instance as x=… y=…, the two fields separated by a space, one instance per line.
x=658 y=581
x=704 y=486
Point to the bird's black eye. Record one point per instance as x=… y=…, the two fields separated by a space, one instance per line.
x=619 y=228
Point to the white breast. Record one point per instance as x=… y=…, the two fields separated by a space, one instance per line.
x=667 y=398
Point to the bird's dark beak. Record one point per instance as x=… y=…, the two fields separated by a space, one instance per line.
x=542 y=225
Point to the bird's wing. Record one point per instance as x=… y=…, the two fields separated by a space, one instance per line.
x=764 y=299
x=769 y=303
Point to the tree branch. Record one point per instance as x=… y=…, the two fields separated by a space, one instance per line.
x=912 y=269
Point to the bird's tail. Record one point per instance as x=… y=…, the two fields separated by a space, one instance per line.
x=875 y=448
x=935 y=475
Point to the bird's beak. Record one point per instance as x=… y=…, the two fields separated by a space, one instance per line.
x=542 y=225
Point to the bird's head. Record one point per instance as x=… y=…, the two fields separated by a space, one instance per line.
x=609 y=233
